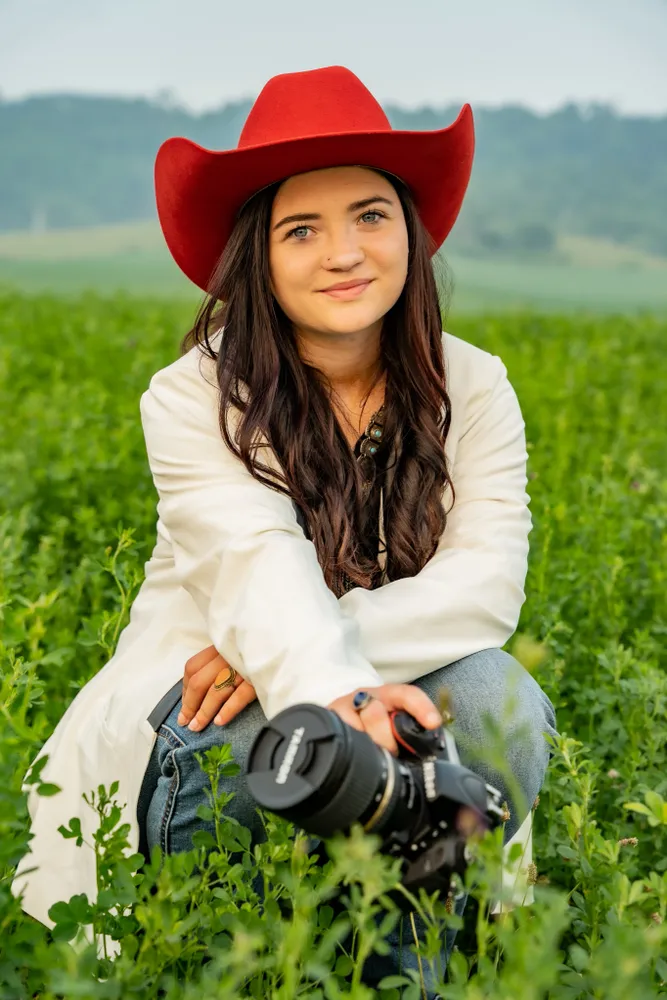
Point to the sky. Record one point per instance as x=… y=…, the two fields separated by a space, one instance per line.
x=203 y=53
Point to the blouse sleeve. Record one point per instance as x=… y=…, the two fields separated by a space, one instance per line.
x=241 y=555
x=469 y=595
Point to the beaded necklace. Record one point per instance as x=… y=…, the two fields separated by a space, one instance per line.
x=370 y=443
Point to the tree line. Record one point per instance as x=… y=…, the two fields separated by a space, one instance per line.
x=81 y=160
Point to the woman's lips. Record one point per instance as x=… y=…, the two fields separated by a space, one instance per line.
x=348 y=293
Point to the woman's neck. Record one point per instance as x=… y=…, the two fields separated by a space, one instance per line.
x=353 y=369
x=354 y=411
x=349 y=362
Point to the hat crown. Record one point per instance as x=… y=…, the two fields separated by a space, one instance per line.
x=315 y=102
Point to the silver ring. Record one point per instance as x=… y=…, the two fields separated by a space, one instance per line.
x=361 y=700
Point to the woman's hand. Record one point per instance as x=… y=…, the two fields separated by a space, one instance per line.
x=201 y=701
x=374 y=719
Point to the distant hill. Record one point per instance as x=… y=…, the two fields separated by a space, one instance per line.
x=86 y=161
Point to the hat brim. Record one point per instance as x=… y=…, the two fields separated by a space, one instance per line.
x=199 y=191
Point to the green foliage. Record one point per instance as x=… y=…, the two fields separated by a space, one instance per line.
x=77 y=525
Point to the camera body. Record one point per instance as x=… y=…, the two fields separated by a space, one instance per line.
x=310 y=767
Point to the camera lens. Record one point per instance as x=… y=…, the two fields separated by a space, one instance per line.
x=308 y=766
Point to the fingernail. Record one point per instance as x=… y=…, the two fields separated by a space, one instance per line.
x=181 y=719
x=194 y=726
x=434 y=719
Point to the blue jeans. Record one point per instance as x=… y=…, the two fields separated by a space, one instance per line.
x=484 y=682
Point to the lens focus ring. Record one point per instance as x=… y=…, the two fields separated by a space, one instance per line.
x=355 y=793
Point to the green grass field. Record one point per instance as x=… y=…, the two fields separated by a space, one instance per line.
x=77 y=523
x=584 y=275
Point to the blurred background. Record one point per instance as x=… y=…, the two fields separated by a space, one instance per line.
x=567 y=206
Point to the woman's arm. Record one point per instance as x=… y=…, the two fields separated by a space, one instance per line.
x=240 y=553
x=469 y=595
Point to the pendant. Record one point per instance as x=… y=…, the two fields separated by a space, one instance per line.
x=369 y=447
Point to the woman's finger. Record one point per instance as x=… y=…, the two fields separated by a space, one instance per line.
x=198 y=685
x=372 y=720
x=213 y=701
x=348 y=715
x=411 y=699
x=199 y=660
x=195 y=663
x=376 y=722
x=237 y=701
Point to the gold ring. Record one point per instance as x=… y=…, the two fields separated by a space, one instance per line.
x=228 y=682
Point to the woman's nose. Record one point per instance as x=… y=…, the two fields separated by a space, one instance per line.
x=344 y=251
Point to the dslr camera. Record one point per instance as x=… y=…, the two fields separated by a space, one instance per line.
x=315 y=770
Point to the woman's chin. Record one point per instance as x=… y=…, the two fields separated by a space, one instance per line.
x=345 y=318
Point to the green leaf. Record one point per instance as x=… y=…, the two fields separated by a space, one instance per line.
x=229 y=841
x=33 y=776
x=458 y=967
x=203 y=838
x=74 y=830
x=636 y=892
x=586 y=866
x=638 y=807
x=48 y=788
x=60 y=912
x=244 y=837
x=381 y=947
x=579 y=957
x=655 y=803
x=80 y=908
x=344 y=965
x=65 y=931
x=389 y=921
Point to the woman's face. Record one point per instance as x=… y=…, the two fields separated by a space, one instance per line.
x=345 y=242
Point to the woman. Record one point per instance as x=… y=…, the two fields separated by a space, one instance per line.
x=295 y=562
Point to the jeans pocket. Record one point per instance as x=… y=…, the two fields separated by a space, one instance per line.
x=171 y=738
x=167 y=744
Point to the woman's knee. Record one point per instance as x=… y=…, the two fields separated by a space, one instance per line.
x=501 y=712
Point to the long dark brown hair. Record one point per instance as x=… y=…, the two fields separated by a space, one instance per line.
x=288 y=401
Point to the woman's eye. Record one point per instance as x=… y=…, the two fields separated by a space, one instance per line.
x=299 y=228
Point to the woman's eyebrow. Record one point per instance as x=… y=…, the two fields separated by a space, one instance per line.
x=310 y=216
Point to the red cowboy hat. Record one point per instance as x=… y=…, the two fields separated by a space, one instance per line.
x=299 y=122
